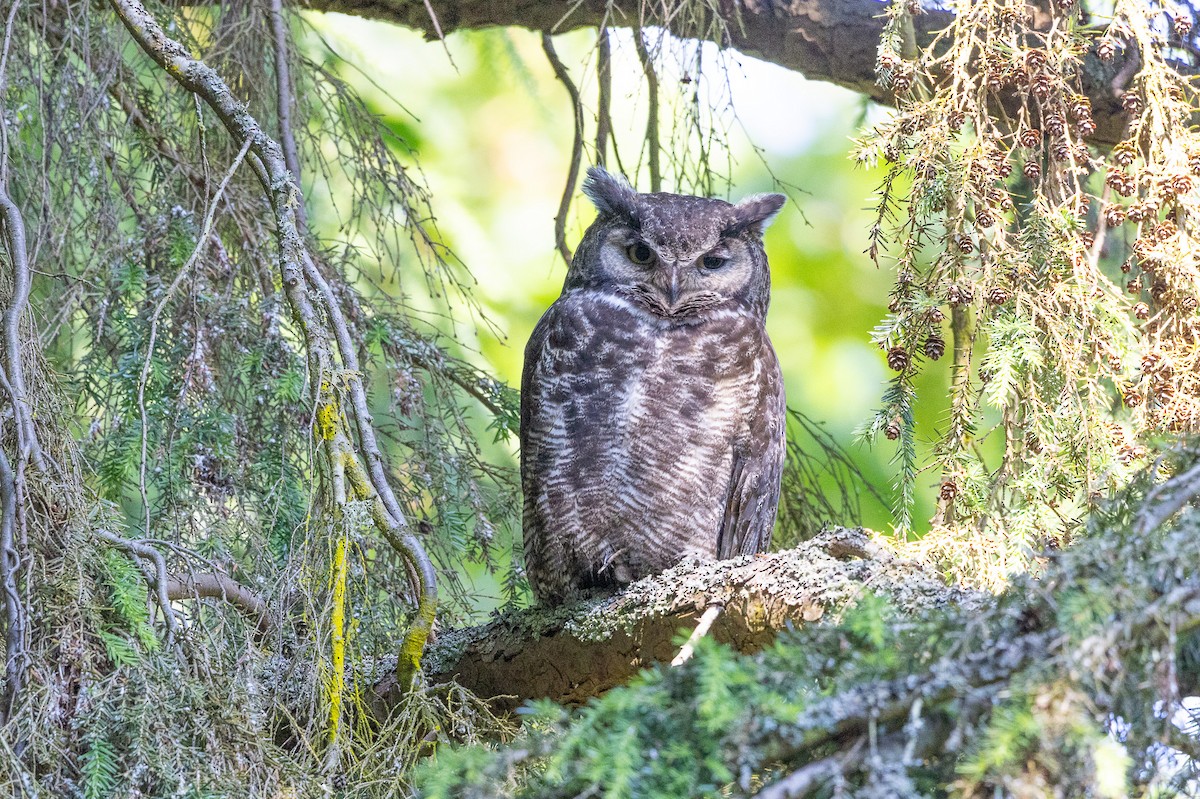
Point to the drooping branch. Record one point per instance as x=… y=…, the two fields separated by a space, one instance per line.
x=560 y=220
x=827 y=40
x=321 y=327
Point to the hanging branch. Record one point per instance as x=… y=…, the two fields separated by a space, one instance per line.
x=12 y=377
x=156 y=316
x=652 y=137
x=604 y=99
x=560 y=221
x=148 y=553
x=283 y=100
x=299 y=275
x=15 y=616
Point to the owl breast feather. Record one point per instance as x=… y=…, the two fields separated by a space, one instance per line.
x=636 y=438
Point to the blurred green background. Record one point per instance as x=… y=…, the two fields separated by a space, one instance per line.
x=491 y=129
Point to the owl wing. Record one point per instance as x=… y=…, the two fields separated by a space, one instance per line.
x=543 y=557
x=753 y=495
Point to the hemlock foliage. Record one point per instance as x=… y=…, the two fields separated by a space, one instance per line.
x=247 y=453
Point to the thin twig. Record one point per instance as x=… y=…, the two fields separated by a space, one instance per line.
x=652 y=137
x=205 y=232
x=604 y=95
x=706 y=621
x=564 y=205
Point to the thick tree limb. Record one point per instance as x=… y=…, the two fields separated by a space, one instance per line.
x=828 y=40
x=205 y=585
x=577 y=651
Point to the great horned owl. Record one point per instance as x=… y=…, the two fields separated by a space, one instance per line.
x=652 y=409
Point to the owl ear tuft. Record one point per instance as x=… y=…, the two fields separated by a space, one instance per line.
x=754 y=213
x=611 y=194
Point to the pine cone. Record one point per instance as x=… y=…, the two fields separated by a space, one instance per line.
x=1031 y=137
x=948 y=491
x=892 y=430
x=984 y=219
x=997 y=295
x=1032 y=170
x=1141 y=310
x=1107 y=48
x=1114 y=215
x=1041 y=87
x=935 y=347
x=1131 y=102
x=898 y=359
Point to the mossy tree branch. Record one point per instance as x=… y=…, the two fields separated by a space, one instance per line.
x=574 y=652
x=827 y=40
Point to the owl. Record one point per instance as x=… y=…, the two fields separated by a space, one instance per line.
x=652 y=406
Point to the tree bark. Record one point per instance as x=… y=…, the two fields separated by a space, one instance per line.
x=827 y=40
x=580 y=650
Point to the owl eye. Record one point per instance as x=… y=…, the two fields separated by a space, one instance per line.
x=714 y=262
x=640 y=253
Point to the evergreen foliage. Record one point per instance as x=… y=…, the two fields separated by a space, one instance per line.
x=201 y=567
x=1061 y=687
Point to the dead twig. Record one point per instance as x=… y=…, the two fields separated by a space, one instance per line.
x=560 y=221
x=706 y=621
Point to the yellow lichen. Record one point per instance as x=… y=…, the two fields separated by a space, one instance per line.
x=337 y=621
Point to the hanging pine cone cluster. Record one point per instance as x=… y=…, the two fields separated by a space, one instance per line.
x=960 y=294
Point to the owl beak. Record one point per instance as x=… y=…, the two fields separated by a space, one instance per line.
x=672 y=287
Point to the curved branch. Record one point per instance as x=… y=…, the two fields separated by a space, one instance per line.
x=146 y=552
x=560 y=221
x=210 y=585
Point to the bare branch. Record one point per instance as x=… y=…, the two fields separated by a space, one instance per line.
x=211 y=585
x=604 y=97
x=827 y=40
x=652 y=138
x=146 y=552
x=15 y=616
x=560 y=221
x=283 y=100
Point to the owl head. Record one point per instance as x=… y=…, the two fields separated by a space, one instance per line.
x=676 y=256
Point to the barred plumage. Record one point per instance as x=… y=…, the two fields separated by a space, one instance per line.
x=652 y=407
